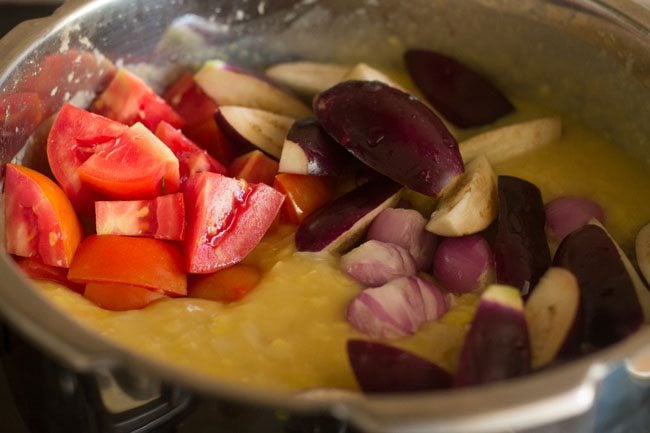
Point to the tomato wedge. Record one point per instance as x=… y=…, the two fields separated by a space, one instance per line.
x=74 y=137
x=189 y=100
x=142 y=262
x=227 y=218
x=129 y=100
x=305 y=194
x=208 y=135
x=227 y=285
x=160 y=218
x=137 y=165
x=254 y=167
x=39 y=219
x=37 y=270
x=120 y=297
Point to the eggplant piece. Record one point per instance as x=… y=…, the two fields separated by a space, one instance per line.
x=496 y=346
x=609 y=297
x=521 y=251
x=249 y=128
x=380 y=368
x=553 y=313
x=341 y=223
x=307 y=78
x=375 y=263
x=363 y=72
x=392 y=132
x=309 y=150
x=461 y=95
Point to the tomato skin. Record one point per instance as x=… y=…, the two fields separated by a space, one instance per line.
x=208 y=135
x=254 y=167
x=305 y=195
x=129 y=100
x=144 y=262
x=227 y=285
x=120 y=297
x=37 y=270
x=137 y=165
x=160 y=218
x=74 y=137
x=227 y=218
x=39 y=219
x=189 y=101
x=192 y=159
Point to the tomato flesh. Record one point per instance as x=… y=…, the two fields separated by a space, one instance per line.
x=189 y=101
x=143 y=262
x=120 y=297
x=255 y=167
x=129 y=100
x=305 y=195
x=227 y=285
x=227 y=218
x=137 y=165
x=39 y=219
x=160 y=218
x=37 y=270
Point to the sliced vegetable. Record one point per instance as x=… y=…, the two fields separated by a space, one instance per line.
x=160 y=218
x=521 y=251
x=144 y=262
x=208 y=135
x=40 y=221
x=392 y=132
x=229 y=85
x=250 y=128
x=340 y=224
x=129 y=100
x=120 y=297
x=396 y=309
x=227 y=285
x=375 y=263
x=304 y=195
x=364 y=72
x=611 y=307
x=462 y=95
x=227 y=218
x=496 y=346
x=309 y=150
x=464 y=264
x=307 y=78
x=553 y=317
x=470 y=205
x=74 y=137
x=405 y=227
x=568 y=213
x=642 y=246
x=37 y=270
x=509 y=141
x=254 y=167
x=189 y=101
x=380 y=368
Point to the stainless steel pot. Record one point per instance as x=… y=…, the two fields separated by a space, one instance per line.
x=586 y=59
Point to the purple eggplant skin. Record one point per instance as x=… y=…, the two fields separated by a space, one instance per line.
x=380 y=368
x=497 y=345
x=325 y=229
x=611 y=310
x=521 y=251
x=461 y=95
x=325 y=157
x=392 y=132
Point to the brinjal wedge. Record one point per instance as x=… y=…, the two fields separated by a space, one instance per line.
x=496 y=346
x=612 y=310
x=521 y=251
x=380 y=368
x=341 y=223
x=392 y=132
x=461 y=95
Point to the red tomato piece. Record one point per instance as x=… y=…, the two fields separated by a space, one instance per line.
x=189 y=101
x=192 y=159
x=142 y=262
x=255 y=167
x=160 y=218
x=227 y=218
x=120 y=297
x=209 y=136
x=37 y=270
x=227 y=285
x=305 y=194
x=129 y=100
x=74 y=137
x=39 y=219
x=137 y=165
x=21 y=111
